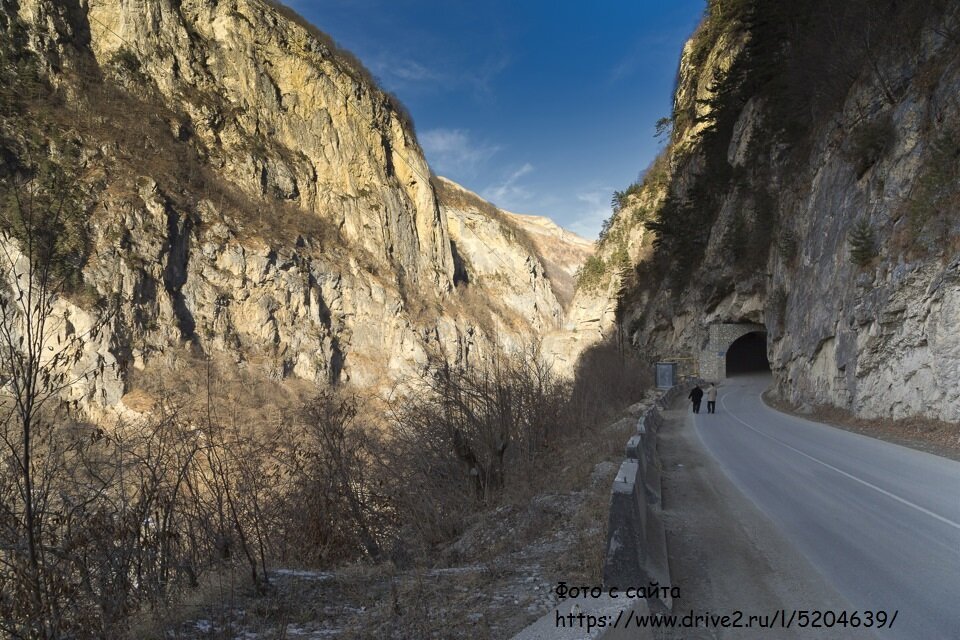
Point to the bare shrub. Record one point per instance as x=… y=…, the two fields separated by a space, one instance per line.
x=98 y=525
x=470 y=434
x=334 y=508
x=42 y=231
x=607 y=378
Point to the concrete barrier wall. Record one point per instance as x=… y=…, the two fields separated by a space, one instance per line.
x=636 y=551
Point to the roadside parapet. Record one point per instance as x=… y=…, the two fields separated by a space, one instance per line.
x=635 y=557
x=636 y=551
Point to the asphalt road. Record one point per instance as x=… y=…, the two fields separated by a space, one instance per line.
x=881 y=522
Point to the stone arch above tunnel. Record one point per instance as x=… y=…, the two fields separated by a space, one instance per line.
x=713 y=359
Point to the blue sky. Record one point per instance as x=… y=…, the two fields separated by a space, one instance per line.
x=541 y=106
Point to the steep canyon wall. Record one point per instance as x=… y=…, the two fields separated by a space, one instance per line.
x=811 y=185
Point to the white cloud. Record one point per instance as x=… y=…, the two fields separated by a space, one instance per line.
x=623 y=69
x=407 y=74
x=508 y=193
x=453 y=151
x=402 y=72
x=595 y=209
x=482 y=79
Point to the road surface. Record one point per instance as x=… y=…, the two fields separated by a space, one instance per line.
x=881 y=522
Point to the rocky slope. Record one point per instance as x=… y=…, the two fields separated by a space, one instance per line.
x=563 y=252
x=251 y=197
x=811 y=186
x=476 y=225
x=484 y=241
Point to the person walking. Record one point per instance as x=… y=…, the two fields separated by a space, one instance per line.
x=712 y=398
x=696 y=395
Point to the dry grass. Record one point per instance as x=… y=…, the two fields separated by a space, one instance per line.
x=483 y=307
x=584 y=563
x=241 y=395
x=219 y=594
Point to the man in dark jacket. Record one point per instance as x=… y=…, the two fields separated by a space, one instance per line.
x=696 y=395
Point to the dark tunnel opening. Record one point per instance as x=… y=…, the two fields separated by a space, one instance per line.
x=748 y=354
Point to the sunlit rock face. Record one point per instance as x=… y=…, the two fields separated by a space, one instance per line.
x=255 y=198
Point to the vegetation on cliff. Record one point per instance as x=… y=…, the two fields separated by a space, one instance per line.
x=812 y=174
x=792 y=64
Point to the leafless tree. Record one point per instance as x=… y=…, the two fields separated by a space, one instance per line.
x=469 y=434
x=41 y=230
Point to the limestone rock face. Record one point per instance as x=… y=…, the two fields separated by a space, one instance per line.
x=876 y=336
x=563 y=252
x=590 y=319
x=873 y=338
x=529 y=264
x=496 y=253
x=256 y=199
x=328 y=141
x=697 y=80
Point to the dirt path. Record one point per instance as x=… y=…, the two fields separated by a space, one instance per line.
x=725 y=555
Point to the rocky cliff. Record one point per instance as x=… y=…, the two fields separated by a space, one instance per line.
x=562 y=251
x=480 y=236
x=250 y=196
x=811 y=185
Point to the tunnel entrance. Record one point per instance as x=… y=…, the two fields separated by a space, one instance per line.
x=748 y=354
